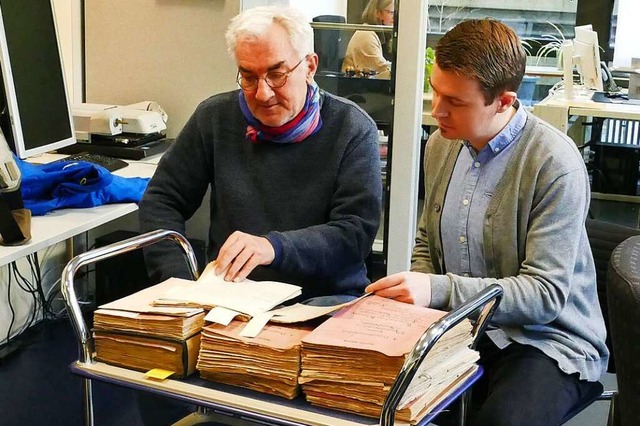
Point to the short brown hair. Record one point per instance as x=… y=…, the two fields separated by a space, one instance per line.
x=486 y=50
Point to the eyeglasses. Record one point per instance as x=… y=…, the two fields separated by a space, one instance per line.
x=274 y=79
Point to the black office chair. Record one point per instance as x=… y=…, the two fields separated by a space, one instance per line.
x=603 y=237
x=623 y=293
x=330 y=44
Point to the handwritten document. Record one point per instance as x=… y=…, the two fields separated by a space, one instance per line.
x=376 y=323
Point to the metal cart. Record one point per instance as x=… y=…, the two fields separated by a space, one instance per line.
x=244 y=403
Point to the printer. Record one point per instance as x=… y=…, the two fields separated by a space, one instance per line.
x=131 y=131
x=118 y=124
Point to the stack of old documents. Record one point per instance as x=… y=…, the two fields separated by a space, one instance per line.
x=351 y=360
x=131 y=332
x=268 y=363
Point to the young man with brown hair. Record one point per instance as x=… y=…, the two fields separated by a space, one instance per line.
x=506 y=198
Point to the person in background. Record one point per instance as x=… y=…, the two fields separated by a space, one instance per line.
x=506 y=199
x=365 y=49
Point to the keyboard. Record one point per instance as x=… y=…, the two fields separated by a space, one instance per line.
x=109 y=163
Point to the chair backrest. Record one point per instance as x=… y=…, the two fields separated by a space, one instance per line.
x=329 y=44
x=604 y=237
x=623 y=293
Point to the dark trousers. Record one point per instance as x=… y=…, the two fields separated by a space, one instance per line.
x=520 y=386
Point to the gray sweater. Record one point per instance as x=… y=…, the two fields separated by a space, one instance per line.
x=318 y=201
x=535 y=246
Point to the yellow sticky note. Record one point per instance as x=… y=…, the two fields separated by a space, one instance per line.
x=158 y=374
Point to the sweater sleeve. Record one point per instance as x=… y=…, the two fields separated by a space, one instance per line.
x=339 y=246
x=173 y=195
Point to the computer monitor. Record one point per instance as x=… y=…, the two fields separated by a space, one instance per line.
x=36 y=109
x=584 y=53
x=587 y=51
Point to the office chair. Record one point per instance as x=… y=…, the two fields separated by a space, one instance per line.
x=603 y=237
x=330 y=45
x=623 y=293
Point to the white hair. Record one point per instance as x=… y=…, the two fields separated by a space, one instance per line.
x=256 y=21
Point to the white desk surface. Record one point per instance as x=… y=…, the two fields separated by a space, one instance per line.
x=62 y=224
x=583 y=106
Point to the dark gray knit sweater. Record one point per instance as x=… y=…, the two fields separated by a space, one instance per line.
x=317 y=201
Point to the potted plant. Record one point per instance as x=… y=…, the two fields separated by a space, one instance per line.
x=429 y=60
x=553 y=45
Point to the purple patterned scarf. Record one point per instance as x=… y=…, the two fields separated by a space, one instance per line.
x=303 y=125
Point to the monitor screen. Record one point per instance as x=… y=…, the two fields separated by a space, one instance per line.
x=587 y=56
x=36 y=109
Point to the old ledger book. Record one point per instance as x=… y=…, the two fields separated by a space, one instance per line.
x=131 y=332
x=142 y=352
x=268 y=363
x=351 y=360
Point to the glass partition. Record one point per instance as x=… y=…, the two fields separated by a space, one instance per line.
x=369 y=87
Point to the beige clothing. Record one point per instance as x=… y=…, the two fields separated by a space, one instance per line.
x=365 y=52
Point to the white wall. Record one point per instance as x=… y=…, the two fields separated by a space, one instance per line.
x=169 y=51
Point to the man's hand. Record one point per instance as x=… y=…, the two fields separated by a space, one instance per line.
x=407 y=287
x=241 y=253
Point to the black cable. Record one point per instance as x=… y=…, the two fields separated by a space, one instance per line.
x=34 y=261
x=13 y=312
x=26 y=286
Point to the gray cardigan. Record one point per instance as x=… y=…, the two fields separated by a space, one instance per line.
x=535 y=246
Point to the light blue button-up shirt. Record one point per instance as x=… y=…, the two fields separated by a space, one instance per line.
x=474 y=181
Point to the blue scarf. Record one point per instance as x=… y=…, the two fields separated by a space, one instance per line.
x=303 y=125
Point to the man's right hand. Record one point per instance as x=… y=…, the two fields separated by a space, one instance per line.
x=407 y=287
x=240 y=255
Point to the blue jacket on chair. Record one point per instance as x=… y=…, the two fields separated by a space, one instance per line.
x=57 y=185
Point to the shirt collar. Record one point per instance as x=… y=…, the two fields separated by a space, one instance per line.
x=510 y=133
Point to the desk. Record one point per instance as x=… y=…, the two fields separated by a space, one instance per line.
x=60 y=225
x=557 y=111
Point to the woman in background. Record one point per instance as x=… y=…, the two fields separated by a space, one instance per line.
x=365 y=49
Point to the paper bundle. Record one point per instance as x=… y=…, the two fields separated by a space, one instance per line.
x=351 y=360
x=268 y=363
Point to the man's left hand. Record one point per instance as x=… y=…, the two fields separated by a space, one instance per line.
x=240 y=255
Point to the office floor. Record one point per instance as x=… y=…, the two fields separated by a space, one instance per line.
x=36 y=387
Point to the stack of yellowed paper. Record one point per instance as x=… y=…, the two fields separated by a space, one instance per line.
x=351 y=360
x=131 y=332
x=268 y=363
